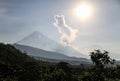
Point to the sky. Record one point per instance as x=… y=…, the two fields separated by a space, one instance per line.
x=58 y=20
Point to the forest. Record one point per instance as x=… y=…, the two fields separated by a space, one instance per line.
x=18 y=66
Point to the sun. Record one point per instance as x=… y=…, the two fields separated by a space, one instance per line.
x=84 y=11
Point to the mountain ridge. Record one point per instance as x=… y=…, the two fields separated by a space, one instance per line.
x=36 y=52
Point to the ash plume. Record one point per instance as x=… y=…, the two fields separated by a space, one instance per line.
x=68 y=34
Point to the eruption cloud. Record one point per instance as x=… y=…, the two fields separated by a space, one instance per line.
x=68 y=34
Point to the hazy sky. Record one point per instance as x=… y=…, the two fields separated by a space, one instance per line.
x=19 y=18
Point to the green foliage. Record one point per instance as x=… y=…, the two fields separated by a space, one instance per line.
x=100 y=59
x=92 y=77
x=11 y=55
x=98 y=72
x=18 y=66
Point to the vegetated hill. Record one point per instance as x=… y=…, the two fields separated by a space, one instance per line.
x=11 y=55
x=17 y=66
x=39 y=53
x=38 y=40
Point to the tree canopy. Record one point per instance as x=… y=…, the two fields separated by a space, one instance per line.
x=18 y=66
x=100 y=58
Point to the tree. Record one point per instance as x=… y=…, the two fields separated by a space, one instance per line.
x=100 y=59
x=97 y=73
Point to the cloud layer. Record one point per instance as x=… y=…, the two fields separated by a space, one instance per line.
x=2 y=12
x=68 y=34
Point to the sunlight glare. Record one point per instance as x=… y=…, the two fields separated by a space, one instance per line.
x=84 y=11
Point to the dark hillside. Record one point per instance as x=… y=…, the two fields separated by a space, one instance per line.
x=17 y=66
x=11 y=55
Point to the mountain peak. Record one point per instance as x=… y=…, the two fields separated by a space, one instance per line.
x=36 y=33
x=38 y=40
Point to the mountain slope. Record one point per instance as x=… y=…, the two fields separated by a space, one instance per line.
x=39 y=52
x=10 y=55
x=38 y=40
x=47 y=54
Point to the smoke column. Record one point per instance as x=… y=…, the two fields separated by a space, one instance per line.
x=68 y=34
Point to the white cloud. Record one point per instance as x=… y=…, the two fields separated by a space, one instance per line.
x=68 y=34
